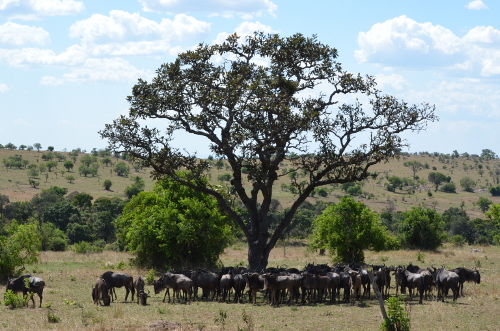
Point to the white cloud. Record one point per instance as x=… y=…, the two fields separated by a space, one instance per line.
x=476 y=5
x=117 y=70
x=394 y=81
x=3 y=88
x=29 y=57
x=36 y=9
x=403 y=42
x=245 y=8
x=123 y=33
x=50 y=80
x=245 y=29
x=16 y=34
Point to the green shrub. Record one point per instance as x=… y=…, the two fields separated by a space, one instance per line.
x=84 y=247
x=398 y=318
x=458 y=240
x=15 y=300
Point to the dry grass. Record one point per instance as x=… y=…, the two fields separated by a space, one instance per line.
x=70 y=276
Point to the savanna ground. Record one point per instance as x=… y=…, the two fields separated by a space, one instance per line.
x=70 y=276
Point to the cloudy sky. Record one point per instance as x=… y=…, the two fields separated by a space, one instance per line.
x=67 y=66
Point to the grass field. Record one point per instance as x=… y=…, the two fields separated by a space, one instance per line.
x=70 y=276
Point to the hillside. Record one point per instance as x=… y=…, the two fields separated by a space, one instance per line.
x=485 y=173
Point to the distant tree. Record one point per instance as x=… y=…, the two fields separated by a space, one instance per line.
x=484 y=204
x=10 y=146
x=455 y=154
x=457 y=222
x=422 y=228
x=37 y=146
x=348 y=228
x=60 y=214
x=437 y=179
x=488 y=154
x=468 y=184
x=59 y=156
x=29 y=148
x=68 y=165
x=33 y=172
x=173 y=218
x=415 y=167
x=107 y=184
x=87 y=160
x=494 y=191
x=494 y=213
x=50 y=165
x=84 y=170
x=33 y=183
x=70 y=178
x=395 y=182
x=47 y=156
x=50 y=148
x=53 y=239
x=106 y=161
x=22 y=147
x=122 y=169
x=449 y=188
x=136 y=188
x=82 y=200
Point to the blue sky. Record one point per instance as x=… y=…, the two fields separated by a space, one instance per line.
x=67 y=66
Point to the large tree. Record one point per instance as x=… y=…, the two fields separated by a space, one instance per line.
x=262 y=102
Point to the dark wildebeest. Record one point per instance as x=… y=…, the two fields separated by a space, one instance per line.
x=346 y=284
x=314 y=287
x=116 y=279
x=226 y=285
x=178 y=283
x=254 y=283
x=207 y=281
x=467 y=275
x=160 y=284
x=445 y=280
x=411 y=280
x=239 y=284
x=100 y=292
x=141 y=293
x=334 y=285
x=278 y=285
x=27 y=284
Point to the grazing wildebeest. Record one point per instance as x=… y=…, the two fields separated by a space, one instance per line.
x=27 y=284
x=467 y=275
x=445 y=280
x=207 y=281
x=139 y=288
x=116 y=279
x=100 y=291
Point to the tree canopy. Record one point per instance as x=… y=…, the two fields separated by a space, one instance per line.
x=260 y=102
x=174 y=226
x=348 y=228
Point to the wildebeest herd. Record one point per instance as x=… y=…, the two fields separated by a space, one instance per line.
x=313 y=284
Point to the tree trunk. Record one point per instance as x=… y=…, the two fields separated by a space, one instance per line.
x=258 y=254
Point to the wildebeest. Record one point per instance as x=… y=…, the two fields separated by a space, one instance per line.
x=445 y=280
x=254 y=282
x=116 y=279
x=207 y=281
x=226 y=285
x=239 y=284
x=160 y=284
x=278 y=285
x=466 y=275
x=411 y=280
x=178 y=283
x=141 y=293
x=346 y=284
x=100 y=291
x=27 y=284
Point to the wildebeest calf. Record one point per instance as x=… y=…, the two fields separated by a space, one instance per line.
x=100 y=291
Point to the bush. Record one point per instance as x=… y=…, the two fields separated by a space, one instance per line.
x=15 y=300
x=458 y=241
x=398 y=318
x=449 y=188
x=84 y=247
